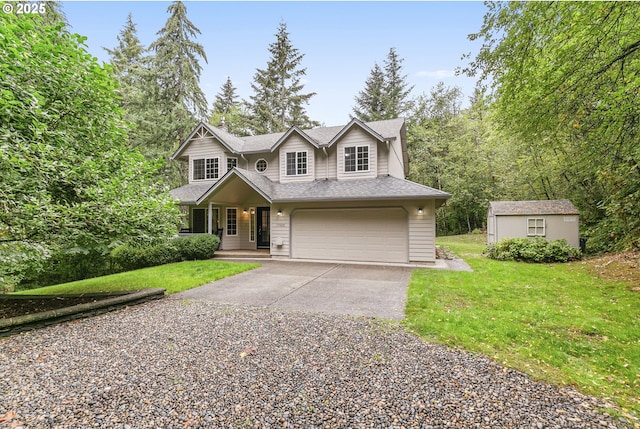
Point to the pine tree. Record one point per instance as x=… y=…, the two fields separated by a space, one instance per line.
x=277 y=103
x=227 y=98
x=370 y=101
x=397 y=89
x=53 y=13
x=177 y=70
x=132 y=68
x=386 y=92
x=126 y=58
x=229 y=111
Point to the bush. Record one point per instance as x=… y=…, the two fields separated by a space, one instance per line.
x=195 y=247
x=532 y=250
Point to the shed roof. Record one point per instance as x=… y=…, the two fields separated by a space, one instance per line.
x=538 y=207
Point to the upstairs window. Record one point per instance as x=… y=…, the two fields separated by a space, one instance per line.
x=356 y=158
x=231 y=162
x=535 y=227
x=296 y=163
x=204 y=169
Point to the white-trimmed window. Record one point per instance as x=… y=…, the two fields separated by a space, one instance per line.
x=205 y=169
x=296 y=163
x=356 y=158
x=261 y=165
x=232 y=221
x=535 y=227
x=231 y=162
x=252 y=224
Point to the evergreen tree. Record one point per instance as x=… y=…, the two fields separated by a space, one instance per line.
x=131 y=66
x=396 y=87
x=176 y=70
x=126 y=58
x=386 y=92
x=370 y=101
x=228 y=111
x=226 y=99
x=277 y=103
x=53 y=13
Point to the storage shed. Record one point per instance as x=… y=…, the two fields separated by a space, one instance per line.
x=551 y=219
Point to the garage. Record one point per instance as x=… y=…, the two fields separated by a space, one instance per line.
x=368 y=235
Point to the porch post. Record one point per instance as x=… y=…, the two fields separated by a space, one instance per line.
x=210 y=224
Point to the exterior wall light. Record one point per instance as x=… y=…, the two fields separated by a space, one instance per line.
x=279 y=213
x=420 y=211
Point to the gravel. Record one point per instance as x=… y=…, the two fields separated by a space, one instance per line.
x=181 y=364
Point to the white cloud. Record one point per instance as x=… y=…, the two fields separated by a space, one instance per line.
x=437 y=74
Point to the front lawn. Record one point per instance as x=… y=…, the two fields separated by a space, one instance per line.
x=555 y=322
x=172 y=277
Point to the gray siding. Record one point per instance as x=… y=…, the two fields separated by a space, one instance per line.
x=295 y=143
x=357 y=137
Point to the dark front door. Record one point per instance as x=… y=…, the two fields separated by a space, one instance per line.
x=263 y=224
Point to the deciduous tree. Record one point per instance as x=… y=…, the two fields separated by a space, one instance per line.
x=70 y=187
x=566 y=80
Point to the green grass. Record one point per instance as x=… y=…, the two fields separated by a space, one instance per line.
x=555 y=322
x=172 y=277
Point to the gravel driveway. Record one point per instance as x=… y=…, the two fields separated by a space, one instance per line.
x=182 y=364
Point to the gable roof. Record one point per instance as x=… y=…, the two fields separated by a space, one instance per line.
x=385 y=130
x=294 y=130
x=356 y=123
x=538 y=207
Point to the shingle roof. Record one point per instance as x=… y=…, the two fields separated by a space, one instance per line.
x=189 y=194
x=265 y=142
x=380 y=188
x=540 y=207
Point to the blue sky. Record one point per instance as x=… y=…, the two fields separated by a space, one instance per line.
x=341 y=41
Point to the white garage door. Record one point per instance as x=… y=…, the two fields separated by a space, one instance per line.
x=379 y=235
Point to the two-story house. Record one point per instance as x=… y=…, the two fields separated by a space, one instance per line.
x=329 y=193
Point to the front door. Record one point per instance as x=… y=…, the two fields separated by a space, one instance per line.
x=263 y=224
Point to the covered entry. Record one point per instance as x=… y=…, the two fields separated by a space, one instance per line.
x=372 y=234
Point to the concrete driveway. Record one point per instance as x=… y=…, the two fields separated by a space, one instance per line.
x=363 y=290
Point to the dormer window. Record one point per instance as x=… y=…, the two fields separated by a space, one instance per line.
x=356 y=158
x=296 y=163
x=205 y=169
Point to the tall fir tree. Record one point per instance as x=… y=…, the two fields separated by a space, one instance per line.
x=386 y=94
x=396 y=89
x=176 y=69
x=228 y=111
x=131 y=65
x=278 y=101
x=227 y=98
x=370 y=101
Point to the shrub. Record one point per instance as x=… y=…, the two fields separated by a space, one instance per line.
x=196 y=247
x=532 y=250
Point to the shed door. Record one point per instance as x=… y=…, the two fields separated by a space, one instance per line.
x=376 y=235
